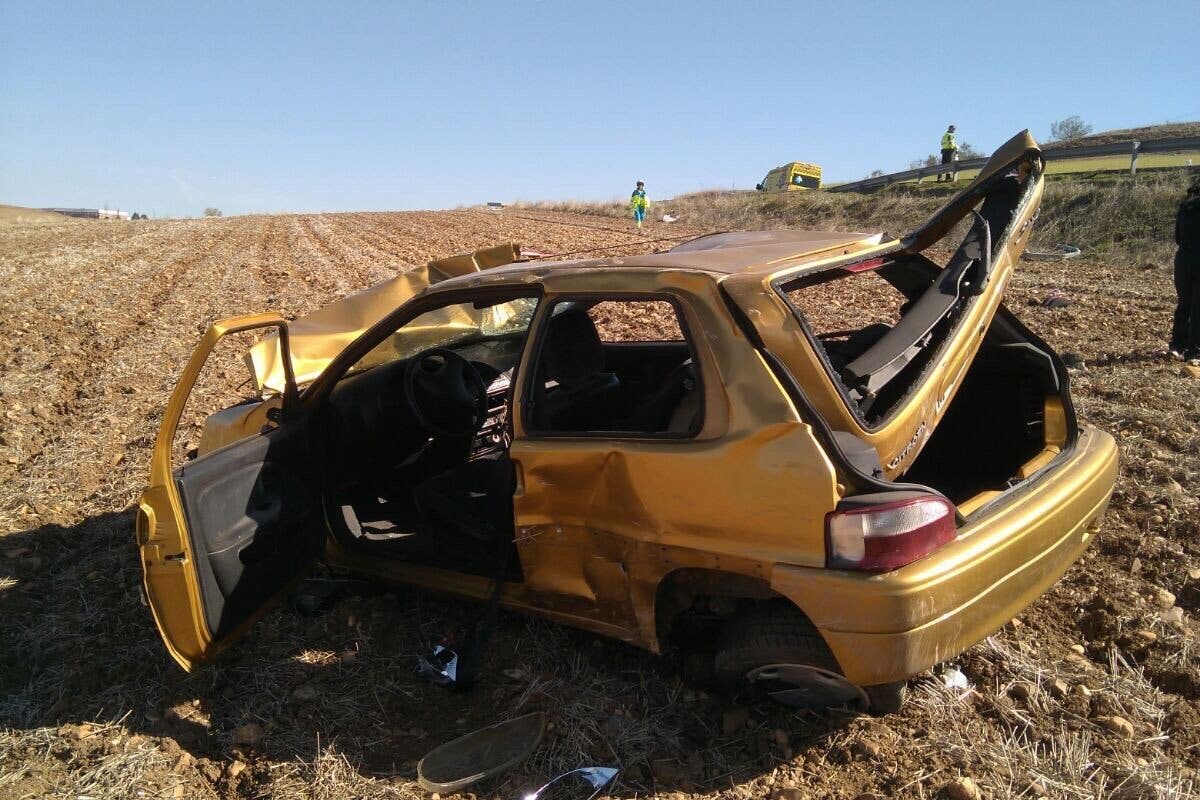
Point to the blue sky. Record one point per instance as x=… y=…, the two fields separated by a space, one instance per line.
x=298 y=106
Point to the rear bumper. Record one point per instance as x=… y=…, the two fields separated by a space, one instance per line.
x=891 y=626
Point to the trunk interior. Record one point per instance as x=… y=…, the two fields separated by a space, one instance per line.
x=1007 y=421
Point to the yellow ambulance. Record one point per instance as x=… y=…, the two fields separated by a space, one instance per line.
x=792 y=177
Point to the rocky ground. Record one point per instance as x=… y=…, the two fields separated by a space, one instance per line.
x=1094 y=691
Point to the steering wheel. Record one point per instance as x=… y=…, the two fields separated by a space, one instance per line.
x=445 y=392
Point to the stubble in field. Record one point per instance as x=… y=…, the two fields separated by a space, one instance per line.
x=99 y=319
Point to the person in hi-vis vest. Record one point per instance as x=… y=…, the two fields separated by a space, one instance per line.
x=639 y=203
x=949 y=151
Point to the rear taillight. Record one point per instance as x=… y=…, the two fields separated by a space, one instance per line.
x=877 y=537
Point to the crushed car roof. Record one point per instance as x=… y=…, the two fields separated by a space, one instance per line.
x=719 y=253
x=317 y=338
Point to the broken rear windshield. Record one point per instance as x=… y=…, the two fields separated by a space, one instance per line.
x=877 y=324
x=848 y=314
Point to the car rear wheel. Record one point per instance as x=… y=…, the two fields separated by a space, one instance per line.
x=778 y=652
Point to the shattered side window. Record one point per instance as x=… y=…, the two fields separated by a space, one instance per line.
x=511 y=317
x=837 y=310
x=878 y=344
x=636 y=321
x=849 y=312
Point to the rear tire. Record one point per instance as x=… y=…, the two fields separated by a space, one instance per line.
x=782 y=635
x=769 y=636
x=887 y=698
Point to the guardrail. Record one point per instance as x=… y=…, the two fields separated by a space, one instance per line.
x=1132 y=148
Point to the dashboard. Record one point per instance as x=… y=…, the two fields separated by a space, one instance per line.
x=370 y=426
x=493 y=436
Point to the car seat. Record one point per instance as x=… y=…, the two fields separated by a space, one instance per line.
x=573 y=358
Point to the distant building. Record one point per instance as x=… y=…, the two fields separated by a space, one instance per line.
x=90 y=213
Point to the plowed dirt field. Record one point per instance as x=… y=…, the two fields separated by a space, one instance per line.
x=1093 y=692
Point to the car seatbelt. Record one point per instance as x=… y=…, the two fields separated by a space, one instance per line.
x=470 y=656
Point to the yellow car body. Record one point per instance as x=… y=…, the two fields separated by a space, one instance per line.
x=623 y=532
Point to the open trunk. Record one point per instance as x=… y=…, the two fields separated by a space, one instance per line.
x=932 y=376
x=1008 y=420
x=1008 y=416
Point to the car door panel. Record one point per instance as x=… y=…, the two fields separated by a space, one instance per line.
x=222 y=535
x=253 y=521
x=602 y=519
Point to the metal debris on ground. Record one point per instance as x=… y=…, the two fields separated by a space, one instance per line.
x=804 y=686
x=1060 y=252
x=1056 y=299
x=584 y=778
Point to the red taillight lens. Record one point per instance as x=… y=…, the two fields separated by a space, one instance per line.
x=884 y=536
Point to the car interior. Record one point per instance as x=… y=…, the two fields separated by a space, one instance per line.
x=418 y=445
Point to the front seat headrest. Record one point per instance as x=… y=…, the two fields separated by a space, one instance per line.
x=573 y=353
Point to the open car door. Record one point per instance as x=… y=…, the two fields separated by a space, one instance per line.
x=224 y=534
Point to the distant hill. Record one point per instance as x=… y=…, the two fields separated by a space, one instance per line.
x=1167 y=130
x=16 y=215
x=1113 y=218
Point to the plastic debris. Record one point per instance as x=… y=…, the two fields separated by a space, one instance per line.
x=1056 y=299
x=954 y=679
x=441 y=668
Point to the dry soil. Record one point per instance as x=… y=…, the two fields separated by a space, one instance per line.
x=1093 y=692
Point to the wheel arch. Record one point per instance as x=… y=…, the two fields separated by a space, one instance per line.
x=679 y=589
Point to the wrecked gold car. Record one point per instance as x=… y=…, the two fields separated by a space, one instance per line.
x=818 y=462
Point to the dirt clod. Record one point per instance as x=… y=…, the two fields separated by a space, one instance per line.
x=1146 y=636
x=865 y=748
x=734 y=719
x=788 y=793
x=250 y=734
x=1117 y=724
x=963 y=789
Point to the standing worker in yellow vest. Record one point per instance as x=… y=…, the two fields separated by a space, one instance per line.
x=949 y=152
x=639 y=203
